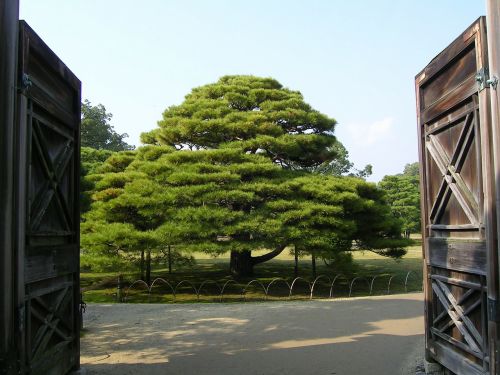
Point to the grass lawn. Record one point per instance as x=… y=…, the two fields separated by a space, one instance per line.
x=102 y=287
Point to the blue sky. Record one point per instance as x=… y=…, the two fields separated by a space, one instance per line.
x=352 y=60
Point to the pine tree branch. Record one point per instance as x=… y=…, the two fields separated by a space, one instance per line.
x=268 y=256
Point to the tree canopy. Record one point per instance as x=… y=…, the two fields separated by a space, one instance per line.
x=255 y=114
x=403 y=194
x=229 y=170
x=225 y=200
x=412 y=169
x=90 y=161
x=97 y=132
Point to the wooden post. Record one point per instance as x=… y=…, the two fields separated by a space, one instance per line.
x=493 y=30
x=148 y=267
x=296 y=258
x=142 y=265
x=9 y=16
x=313 y=263
x=119 y=289
x=169 y=259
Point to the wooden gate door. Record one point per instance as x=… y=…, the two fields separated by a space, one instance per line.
x=48 y=124
x=457 y=209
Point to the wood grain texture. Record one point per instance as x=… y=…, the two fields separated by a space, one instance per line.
x=451 y=115
x=469 y=256
x=49 y=119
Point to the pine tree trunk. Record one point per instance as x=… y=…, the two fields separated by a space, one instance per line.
x=241 y=264
x=169 y=259
x=296 y=256
x=142 y=265
x=313 y=263
x=148 y=267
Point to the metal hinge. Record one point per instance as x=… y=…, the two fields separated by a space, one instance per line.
x=493 y=310
x=25 y=83
x=484 y=81
x=21 y=318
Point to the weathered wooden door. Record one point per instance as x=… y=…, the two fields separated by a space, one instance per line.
x=457 y=208
x=48 y=118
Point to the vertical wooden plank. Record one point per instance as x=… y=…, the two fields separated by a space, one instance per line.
x=493 y=26
x=20 y=224
x=9 y=15
x=76 y=222
x=424 y=207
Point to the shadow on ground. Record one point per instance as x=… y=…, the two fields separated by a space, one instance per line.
x=360 y=336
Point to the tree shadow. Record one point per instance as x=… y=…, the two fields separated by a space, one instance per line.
x=358 y=336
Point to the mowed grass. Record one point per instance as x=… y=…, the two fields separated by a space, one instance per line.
x=213 y=274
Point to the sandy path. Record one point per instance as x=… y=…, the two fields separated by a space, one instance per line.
x=377 y=335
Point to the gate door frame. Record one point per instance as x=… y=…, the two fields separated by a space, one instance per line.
x=46 y=210
x=9 y=15
x=458 y=205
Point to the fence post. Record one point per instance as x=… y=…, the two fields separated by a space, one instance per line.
x=119 y=288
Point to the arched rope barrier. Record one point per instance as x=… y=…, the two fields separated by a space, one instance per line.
x=354 y=281
x=312 y=286
x=274 y=281
x=244 y=291
x=224 y=288
x=294 y=282
x=337 y=277
x=316 y=280
x=139 y=282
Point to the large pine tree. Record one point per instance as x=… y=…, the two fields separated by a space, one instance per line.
x=228 y=170
x=226 y=200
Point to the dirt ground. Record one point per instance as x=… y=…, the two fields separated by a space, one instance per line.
x=377 y=335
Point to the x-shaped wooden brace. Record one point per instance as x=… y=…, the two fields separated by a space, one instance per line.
x=53 y=171
x=52 y=320
x=458 y=315
x=450 y=169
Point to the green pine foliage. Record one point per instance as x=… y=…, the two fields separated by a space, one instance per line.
x=232 y=169
x=225 y=200
x=90 y=160
x=256 y=114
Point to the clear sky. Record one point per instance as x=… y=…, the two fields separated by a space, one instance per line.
x=352 y=60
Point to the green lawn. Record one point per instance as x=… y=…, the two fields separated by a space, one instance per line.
x=102 y=287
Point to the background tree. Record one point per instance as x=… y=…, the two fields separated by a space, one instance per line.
x=97 y=132
x=412 y=169
x=98 y=140
x=90 y=159
x=340 y=165
x=403 y=194
x=364 y=173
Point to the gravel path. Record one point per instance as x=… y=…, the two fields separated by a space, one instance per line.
x=377 y=335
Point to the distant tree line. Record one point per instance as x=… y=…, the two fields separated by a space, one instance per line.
x=403 y=195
